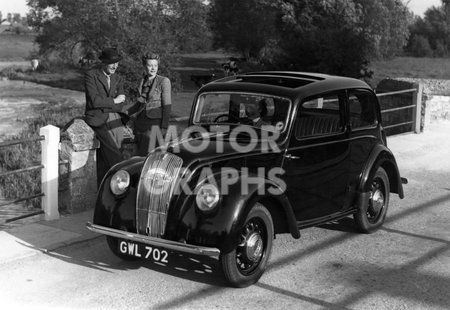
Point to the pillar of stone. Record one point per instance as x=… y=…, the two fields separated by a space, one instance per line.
x=77 y=170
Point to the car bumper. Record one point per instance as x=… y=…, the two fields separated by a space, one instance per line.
x=158 y=242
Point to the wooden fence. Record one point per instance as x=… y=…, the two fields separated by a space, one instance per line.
x=402 y=111
x=49 y=138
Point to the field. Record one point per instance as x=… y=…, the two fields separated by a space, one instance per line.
x=15 y=47
x=411 y=67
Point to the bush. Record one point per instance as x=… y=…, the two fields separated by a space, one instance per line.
x=20 y=29
x=10 y=72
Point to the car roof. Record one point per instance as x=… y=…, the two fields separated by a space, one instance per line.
x=284 y=83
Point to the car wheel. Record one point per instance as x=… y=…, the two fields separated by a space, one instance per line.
x=113 y=244
x=370 y=216
x=247 y=262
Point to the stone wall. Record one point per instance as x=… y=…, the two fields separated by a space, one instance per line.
x=438 y=108
x=78 y=171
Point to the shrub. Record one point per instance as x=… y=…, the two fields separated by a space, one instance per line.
x=10 y=72
x=20 y=29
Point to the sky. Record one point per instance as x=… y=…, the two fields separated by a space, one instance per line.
x=19 y=6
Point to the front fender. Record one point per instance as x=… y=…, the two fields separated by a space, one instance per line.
x=118 y=212
x=222 y=227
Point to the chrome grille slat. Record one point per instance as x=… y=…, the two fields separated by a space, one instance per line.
x=156 y=185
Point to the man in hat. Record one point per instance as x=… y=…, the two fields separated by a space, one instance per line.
x=105 y=98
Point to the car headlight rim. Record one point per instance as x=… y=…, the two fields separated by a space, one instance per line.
x=207 y=197
x=120 y=182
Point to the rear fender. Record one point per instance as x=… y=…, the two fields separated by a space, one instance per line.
x=381 y=156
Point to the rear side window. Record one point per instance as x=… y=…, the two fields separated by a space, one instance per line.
x=362 y=108
x=319 y=116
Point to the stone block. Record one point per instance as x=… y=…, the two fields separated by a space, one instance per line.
x=79 y=135
x=78 y=174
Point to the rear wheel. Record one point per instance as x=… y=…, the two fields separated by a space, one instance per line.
x=371 y=215
x=114 y=244
x=247 y=262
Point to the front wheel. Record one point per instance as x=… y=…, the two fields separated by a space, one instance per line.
x=247 y=262
x=370 y=216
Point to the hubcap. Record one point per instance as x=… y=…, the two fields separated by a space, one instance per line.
x=376 y=202
x=254 y=247
x=250 y=250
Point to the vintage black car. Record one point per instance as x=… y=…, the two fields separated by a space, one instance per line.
x=315 y=152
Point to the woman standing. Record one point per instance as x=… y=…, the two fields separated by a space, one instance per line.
x=153 y=106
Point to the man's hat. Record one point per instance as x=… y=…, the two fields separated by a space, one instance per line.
x=110 y=56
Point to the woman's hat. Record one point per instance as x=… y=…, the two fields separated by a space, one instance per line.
x=110 y=56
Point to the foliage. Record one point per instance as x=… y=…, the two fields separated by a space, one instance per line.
x=320 y=36
x=74 y=28
x=243 y=26
x=338 y=36
x=385 y=23
x=419 y=46
x=20 y=29
x=434 y=27
x=28 y=154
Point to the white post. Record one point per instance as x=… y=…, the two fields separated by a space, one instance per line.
x=418 y=102
x=50 y=172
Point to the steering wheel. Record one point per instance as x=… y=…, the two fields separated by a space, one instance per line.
x=216 y=120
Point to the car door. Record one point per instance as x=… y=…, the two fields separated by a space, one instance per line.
x=317 y=158
x=364 y=123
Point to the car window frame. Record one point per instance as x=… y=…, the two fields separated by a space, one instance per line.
x=341 y=94
x=376 y=109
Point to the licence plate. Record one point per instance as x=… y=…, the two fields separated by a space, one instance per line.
x=143 y=251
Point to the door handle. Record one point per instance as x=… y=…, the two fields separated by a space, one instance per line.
x=289 y=156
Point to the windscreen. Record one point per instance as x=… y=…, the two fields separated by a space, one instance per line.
x=257 y=110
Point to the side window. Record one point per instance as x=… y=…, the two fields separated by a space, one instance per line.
x=362 y=108
x=319 y=116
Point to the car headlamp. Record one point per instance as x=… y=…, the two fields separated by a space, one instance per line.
x=207 y=197
x=119 y=182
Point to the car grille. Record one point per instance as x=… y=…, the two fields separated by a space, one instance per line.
x=156 y=185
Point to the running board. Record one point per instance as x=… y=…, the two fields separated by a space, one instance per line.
x=325 y=219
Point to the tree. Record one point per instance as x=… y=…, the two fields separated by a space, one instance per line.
x=386 y=24
x=17 y=18
x=243 y=26
x=435 y=28
x=420 y=47
x=133 y=26
x=334 y=36
x=324 y=37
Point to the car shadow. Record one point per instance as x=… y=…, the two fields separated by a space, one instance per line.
x=198 y=268
x=345 y=224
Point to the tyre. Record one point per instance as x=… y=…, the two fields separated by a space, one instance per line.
x=247 y=262
x=371 y=215
x=113 y=244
